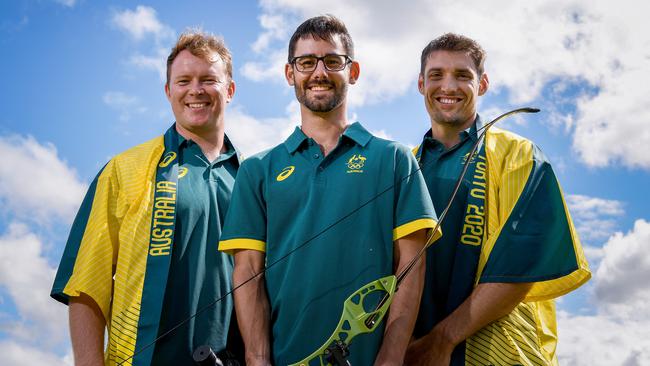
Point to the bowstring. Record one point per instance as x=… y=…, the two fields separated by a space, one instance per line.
x=400 y=276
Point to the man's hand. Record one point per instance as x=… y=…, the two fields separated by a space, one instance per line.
x=430 y=350
x=487 y=303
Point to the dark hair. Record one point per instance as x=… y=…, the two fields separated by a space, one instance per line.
x=323 y=27
x=455 y=43
x=200 y=44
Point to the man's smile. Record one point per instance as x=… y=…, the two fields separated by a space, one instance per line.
x=196 y=105
x=448 y=100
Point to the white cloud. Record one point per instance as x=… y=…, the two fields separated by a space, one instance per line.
x=18 y=354
x=156 y=62
x=125 y=104
x=622 y=285
x=251 y=135
x=601 y=341
x=597 y=49
x=34 y=183
x=37 y=189
x=27 y=277
x=595 y=218
x=141 y=22
x=275 y=28
x=617 y=333
x=271 y=68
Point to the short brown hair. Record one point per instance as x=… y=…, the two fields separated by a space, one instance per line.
x=323 y=27
x=200 y=44
x=453 y=42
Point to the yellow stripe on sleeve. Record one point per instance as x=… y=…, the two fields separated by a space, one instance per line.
x=229 y=246
x=415 y=225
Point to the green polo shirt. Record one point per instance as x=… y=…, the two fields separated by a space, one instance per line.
x=198 y=274
x=349 y=206
x=451 y=266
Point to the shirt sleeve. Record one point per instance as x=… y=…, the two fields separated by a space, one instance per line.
x=537 y=241
x=413 y=208
x=245 y=224
x=89 y=255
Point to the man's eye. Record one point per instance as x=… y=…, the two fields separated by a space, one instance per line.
x=306 y=63
x=333 y=63
x=182 y=82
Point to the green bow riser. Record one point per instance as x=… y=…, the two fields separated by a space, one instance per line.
x=355 y=320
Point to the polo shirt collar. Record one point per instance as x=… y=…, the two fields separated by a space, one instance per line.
x=293 y=142
x=358 y=134
x=355 y=132
x=230 y=148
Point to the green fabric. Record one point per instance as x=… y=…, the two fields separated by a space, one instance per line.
x=158 y=266
x=198 y=274
x=532 y=245
x=307 y=289
x=451 y=266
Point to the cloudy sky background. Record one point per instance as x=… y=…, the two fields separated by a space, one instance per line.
x=84 y=81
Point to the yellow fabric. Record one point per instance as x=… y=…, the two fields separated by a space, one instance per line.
x=528 y=335
x=115 y=244
x=509 y=163
x=229 y=246
x=415 y=225
x=513 y=340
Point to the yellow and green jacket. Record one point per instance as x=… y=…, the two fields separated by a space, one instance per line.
x=527 y=236
x=115 y=255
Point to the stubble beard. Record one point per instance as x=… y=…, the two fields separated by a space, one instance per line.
x=457 y=118
x=321 y=105
x=454 y=120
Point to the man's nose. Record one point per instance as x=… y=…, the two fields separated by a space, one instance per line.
x=320 y=71
x=196 y=88
x=448 y=83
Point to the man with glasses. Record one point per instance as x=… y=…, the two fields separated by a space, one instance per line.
x=327 y=211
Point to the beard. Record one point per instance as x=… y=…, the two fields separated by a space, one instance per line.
x=456 y=119
x=321 y=104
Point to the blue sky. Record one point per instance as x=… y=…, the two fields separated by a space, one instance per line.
x=83 y=81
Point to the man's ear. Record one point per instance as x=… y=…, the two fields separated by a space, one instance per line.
x=231 y=91
x=483 y=84
x=421 y=84
x=168 y=92
x=355 y=71
x=288 y=73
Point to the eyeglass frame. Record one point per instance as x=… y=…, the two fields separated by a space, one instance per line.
x=348 y=60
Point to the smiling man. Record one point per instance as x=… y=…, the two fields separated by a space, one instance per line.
x=508 y=246
x=142 y=253
x=334 y=207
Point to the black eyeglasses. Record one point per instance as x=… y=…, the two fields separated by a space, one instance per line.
x=331 y=62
